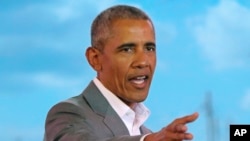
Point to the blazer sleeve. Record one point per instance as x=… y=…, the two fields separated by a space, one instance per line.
x=67 y=122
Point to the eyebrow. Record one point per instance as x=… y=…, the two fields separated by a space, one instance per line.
x=126 y=45
x=133 y=45
x=150 y=44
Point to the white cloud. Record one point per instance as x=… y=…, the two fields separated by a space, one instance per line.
x=167 y=29
x=162 y=66
x=53 y=25
x=46 y=79
x=223 y=35
x=170 y=32
x=74 y=9
x=61 y=11
x=245 y=102
x=17 y=133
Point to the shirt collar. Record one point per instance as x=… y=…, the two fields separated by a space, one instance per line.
x=119 y=106
x=140 y=112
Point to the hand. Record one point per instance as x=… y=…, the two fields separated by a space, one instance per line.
x=175 y=131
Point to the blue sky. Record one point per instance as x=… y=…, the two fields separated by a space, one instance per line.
x=203 y=48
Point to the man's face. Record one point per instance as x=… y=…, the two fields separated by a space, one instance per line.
x=128 y=60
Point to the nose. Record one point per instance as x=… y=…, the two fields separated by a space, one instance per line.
x=140 y=60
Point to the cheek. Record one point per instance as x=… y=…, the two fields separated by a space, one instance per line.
x=120 y=71
x=152 y=61
x=115 y=69
x=122 y=64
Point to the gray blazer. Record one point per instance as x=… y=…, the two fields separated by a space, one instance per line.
x=87 y=117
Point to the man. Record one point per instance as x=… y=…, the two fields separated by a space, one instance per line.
x=123 y=53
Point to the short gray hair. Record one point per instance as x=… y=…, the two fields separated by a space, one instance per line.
x=101 y=26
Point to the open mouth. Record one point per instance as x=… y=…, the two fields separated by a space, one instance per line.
x=139 y=79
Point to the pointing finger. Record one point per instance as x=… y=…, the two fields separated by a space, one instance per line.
x=187 y=119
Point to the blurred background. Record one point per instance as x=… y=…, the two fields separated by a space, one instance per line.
x=203 y=66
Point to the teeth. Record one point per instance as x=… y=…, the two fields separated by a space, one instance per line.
x=141 y=77
x=140 y=81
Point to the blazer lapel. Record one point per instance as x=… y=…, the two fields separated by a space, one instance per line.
x=145 y=130
x=100 y=105
x=114 y=122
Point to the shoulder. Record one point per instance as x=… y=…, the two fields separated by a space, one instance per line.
x=72 y=105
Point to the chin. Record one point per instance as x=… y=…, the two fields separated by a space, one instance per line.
x=141 y=99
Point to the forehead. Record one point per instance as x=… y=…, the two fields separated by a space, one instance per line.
x=123 y=26
x=122 y=20
x=130 y=31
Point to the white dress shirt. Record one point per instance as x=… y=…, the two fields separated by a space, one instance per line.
x=133 y=119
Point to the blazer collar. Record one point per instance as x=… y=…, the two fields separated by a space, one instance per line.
x=100 y=105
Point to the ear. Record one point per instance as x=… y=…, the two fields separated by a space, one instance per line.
x=93 y=56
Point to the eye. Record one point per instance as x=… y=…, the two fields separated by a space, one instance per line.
x=150 y=48
x=127 y=49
